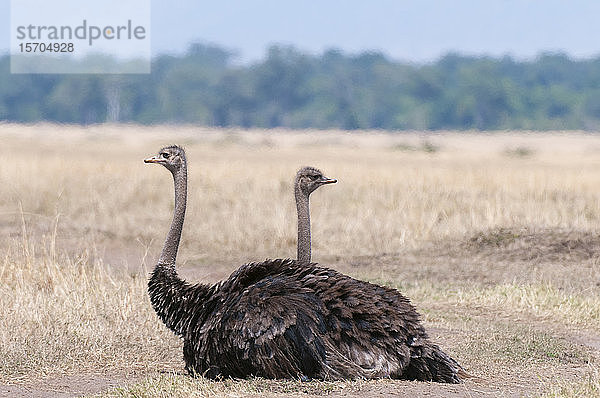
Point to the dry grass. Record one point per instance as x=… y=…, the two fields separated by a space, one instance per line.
x=386 y=200
x=172 y=385
x=589 y=386
x=66 y=315
x=497 y=249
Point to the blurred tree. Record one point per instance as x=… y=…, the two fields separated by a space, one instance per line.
x=289 y=88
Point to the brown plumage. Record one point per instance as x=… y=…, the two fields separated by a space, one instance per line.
x=289 y=319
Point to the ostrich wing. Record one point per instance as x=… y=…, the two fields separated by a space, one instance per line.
x=268 y=324
x=281 y=319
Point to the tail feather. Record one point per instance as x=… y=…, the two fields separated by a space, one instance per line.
x=429 y=363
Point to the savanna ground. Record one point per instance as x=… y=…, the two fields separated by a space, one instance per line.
x=494 y=237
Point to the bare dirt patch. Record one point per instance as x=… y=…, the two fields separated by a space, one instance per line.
x=499 y=254
x=509 y=353
x=568 y=259
x=68 y=386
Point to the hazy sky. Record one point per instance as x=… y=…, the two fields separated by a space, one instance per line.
x=419 y=30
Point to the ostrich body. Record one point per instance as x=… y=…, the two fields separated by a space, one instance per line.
x=288 y=319
x=308 y=179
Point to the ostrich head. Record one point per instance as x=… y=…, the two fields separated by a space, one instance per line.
x=308 y=179
x=172 y=157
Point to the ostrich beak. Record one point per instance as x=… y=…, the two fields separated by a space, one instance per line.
x=153 y=159
x=326 y=180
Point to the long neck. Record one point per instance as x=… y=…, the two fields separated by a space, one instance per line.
x=302 y=206
x=169 y=251
x=174 y=300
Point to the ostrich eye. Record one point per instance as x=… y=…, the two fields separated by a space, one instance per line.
x=314 y=177
x=165 y=155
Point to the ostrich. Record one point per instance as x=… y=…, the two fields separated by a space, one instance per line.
x=307 y=180
x=288 y=319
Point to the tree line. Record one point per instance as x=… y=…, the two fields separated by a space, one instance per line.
x=289 y=88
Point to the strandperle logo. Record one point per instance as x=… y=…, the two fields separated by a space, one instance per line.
x=85 y=31
x=74 y=36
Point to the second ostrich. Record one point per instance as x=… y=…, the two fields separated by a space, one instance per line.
x=308 y=179
x=288 y=319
